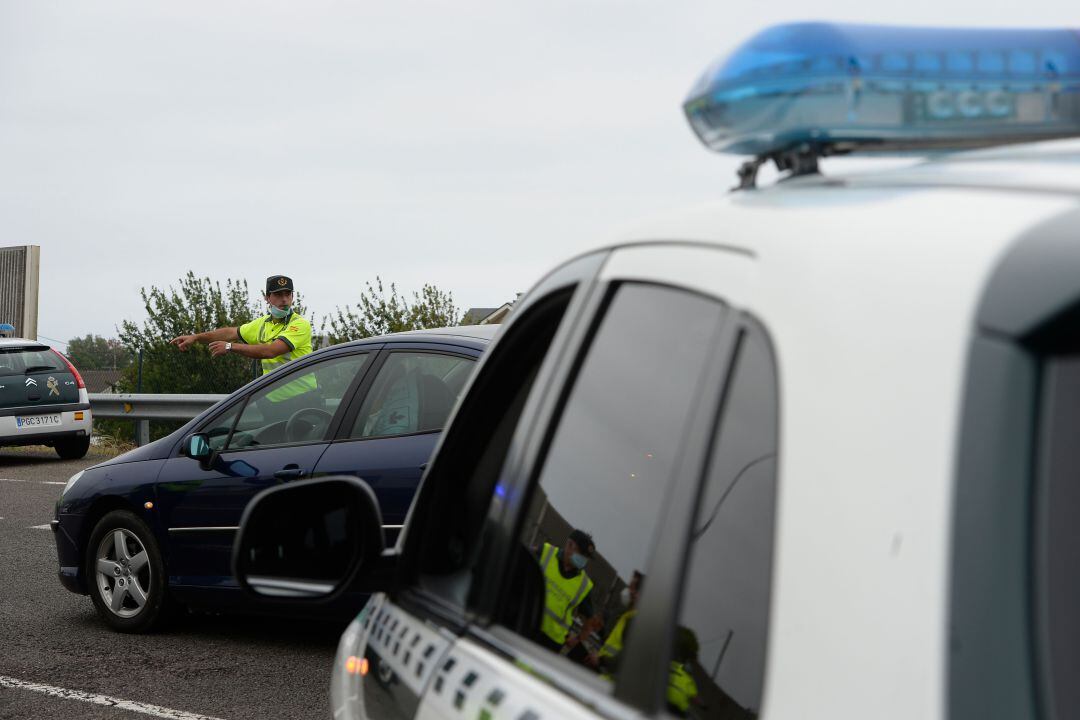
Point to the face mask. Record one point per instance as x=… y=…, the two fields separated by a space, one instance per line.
x=579 y=561
x=624 y=596
x=280 y=312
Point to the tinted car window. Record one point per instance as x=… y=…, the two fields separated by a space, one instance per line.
x=299 y=406
x=21 y=360
x=1057 y=537
x=718 y=659
x=611 y=463
x=413 y=392
x=217 y=431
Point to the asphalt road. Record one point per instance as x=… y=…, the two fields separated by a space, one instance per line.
x=211 y=665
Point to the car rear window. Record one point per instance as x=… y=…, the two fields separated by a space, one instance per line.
x=19 y=361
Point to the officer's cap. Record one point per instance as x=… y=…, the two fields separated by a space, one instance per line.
x=277 y=283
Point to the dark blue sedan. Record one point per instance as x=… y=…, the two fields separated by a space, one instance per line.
x=153 y=528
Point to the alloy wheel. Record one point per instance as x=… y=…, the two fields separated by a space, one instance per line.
x=123 y=572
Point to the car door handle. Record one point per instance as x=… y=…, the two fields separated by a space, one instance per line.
x=290 y=472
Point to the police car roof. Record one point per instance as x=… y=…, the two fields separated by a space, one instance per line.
x=983 y=197
x=6 y=342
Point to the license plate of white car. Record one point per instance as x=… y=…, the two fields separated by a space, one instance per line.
x=32 y=421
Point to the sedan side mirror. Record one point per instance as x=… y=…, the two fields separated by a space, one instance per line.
x=308 y=540
x=197 y=446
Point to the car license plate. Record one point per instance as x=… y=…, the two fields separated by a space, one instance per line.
x=32 y=421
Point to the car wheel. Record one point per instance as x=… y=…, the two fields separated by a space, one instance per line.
x=72 y=449
x=126 y=574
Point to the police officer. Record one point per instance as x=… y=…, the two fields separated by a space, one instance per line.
x=272 y=339
x=682 y=691
x=613 y=645
x=568 y=586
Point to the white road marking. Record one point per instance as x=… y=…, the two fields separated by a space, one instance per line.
x=53 y=482
x=39 y=482
x=131 y=705
x=46 y=526
x=10 y=480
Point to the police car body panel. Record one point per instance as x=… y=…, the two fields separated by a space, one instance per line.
x=43 y=399
x=876 y=425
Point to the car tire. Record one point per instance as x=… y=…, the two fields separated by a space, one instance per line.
x=72 y=449
x=126 y=575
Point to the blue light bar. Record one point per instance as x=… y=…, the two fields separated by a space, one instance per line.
x=888 y=89
x=7 y=327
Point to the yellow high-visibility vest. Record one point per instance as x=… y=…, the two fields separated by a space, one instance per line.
x=681 y=688
x=614 y=643
x=295 y=332
x=563 y=595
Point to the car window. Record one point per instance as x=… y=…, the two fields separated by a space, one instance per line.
x=299 y=406
x=217 y=430
x=413 y=392
x=475 y=446
x=1057 y=535
x=16 y=361
x=593 y=517
x=717 y=663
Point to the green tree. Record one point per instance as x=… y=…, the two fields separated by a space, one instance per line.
x=198 y=304
x=379 y=312
x=94 y=352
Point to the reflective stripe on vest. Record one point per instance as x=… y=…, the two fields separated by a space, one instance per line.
x=562 y=596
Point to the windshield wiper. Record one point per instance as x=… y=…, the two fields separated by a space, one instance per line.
x=39 y=368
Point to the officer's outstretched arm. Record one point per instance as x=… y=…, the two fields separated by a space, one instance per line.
x=257 y=352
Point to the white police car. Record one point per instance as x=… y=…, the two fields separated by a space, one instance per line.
x=831 y=422
x=43 y=399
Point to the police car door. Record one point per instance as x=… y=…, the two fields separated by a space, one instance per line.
x=614 y=439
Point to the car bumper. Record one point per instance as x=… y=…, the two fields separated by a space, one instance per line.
x=66 y=531
x=12 y=432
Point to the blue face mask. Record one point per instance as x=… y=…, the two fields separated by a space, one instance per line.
x=280 y=312
x=579 y=561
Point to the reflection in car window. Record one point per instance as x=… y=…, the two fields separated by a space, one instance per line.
x=218 y=430
x=414 y=392
x=593 y=518
x=718 y=659
x=299 y=406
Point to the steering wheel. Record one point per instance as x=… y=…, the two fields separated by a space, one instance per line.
x=307 y=424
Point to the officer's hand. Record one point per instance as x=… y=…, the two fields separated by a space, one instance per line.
x=217 y=348
x=183 y=342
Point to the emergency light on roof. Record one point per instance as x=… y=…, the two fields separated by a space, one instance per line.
x=842 y=88
x=7 y=328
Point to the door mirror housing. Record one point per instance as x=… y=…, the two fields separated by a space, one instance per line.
x=197 y=446
x=307 y=541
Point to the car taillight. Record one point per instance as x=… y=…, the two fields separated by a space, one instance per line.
x=71 y=369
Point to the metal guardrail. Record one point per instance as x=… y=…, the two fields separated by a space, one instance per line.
x=144 y=407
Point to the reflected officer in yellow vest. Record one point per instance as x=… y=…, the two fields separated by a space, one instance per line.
x=613 y=645
x=568 y=586
x=682 y=691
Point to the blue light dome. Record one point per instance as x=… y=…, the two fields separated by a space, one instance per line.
x=888 y=89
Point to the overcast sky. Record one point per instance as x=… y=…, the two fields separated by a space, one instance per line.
x=468 y=145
